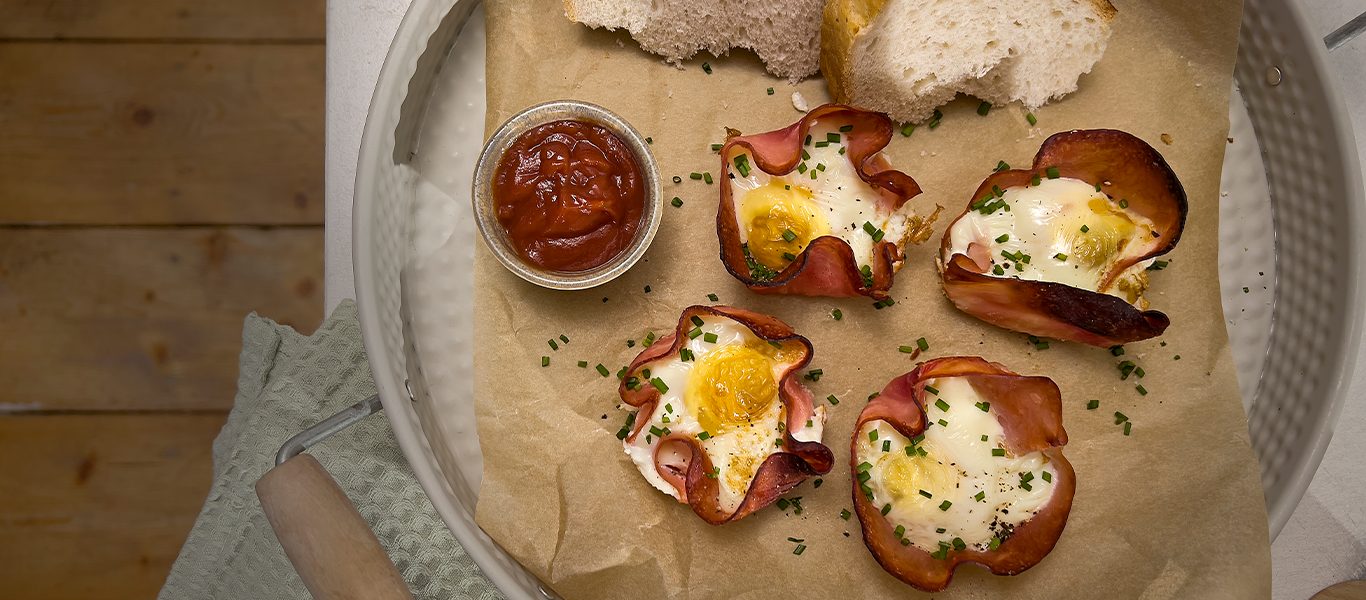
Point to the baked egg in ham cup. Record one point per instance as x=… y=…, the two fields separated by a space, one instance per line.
x=815 y=209
x=1063 y=249
x=721 y=420
x=960 y=461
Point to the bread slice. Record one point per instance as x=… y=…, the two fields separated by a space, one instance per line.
x=907 y=57
x=784 y=33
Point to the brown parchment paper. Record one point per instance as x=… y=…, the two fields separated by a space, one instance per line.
x=1174 y=510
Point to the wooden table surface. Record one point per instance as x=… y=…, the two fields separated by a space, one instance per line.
x=161 y=175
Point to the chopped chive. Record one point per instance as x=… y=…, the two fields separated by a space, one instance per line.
x=945 y=505
x=995 y=543
x=979 y=496
x=1127 y=427
x=813 y=375
x=908 y=130
x=1117 y=350
x=997 y=191
x=906 y=349
x=1123 y=203
x=678 y=179
x=985 y=406
x=932 y=390
x=545 y=361
x=822 y=144
x=817 y=483
x=782 y=503
x=553 y=345
x=799 y=549
x=712 y=297
x=709 y=338
x=1177 y=357
x=864 y=466
x=801 y=168
x=695 y=333
x=808 y=140
x=845 y=514
x=886 y=445
x=877 y=237
x=984 y=108
x=645 y=373
x=886 y=508
x=1027 y=476
x=717 y=148
x=1060 y=256
x=921 y=451
x=820 y=167
x=872 y=436
x=941 y=405
x=706 y=67
x=1047 y=476
x=833 y=138
x=583 y=364
x=603 y=370
x=1052 y=172
x=695 y=176
x=777 y=345
x=847 y=128
x=788 y=235
x=1158 y=265
x=1085 y=229
x=1032 y=121
x=1005 y=237
x=790 y=256
x=1092 y=405
x=959 y=544
x=685 y=355
x=938 y=114
x=984 y=437
x=1138 y=371
x=924 y=345
x=715 y=471
x=1245 y=290
x=1141 y=391
x=707 y=177
x=900 y=531
x=833 y=399
x=873 y=395
x=649 y=140
x=564 y=339
x=998 y=452
x=926 y=494
x=1035 y=180
x=770 y=91
x=998 y=270
x=1120 y=417
x=696 y=320
x=837 y=314
x=1026 y=487
x=841 y=150
x=677 y=202
x=943 y=423
x=778 y=442
x=704 y=436
x=1002 y=166
x=805 y=155
x=647 y=289
x=649 y=339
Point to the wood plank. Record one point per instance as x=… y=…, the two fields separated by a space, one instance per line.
x=161 y=133
x=95 y=507
x=46 y=19
x=106 y=319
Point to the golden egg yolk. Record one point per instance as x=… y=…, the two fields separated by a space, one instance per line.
x=1106 y=233
x=904 y=476
x=781 y=220
x=730 y=387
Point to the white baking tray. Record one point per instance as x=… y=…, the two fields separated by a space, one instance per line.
x=1291 y=221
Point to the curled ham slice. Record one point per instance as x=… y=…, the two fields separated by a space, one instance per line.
x=826 y=267
x=1125 y=167
x=1029 y=410
x=680 y=458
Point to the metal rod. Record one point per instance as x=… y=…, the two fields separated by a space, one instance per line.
x=1345 y=33
x=317 y=433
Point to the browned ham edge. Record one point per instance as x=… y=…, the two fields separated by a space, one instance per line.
x=1126 y=168
x=1029 y=410
x=680 y=459
x=826 y=267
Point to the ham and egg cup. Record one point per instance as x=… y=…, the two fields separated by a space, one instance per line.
x=1062 y=249
x=815 y=209
x=722 y=421
x=958 y=461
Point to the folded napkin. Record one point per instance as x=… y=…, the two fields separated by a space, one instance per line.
x=287 y=383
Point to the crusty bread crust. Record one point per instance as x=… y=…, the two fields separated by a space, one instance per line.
x=853 y=78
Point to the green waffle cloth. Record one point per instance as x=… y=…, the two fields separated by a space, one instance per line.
x=287 y=383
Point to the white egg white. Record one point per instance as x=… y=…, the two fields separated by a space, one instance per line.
x=1042 y=237
x=747 y=445
x=956 y=466
x=843 y=201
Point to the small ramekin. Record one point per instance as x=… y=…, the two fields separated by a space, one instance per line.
x=486 y=212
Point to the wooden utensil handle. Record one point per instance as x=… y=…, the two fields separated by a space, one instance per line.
x=324 y=536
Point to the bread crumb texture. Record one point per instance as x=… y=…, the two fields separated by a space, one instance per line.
x=784 y=33
x=907 y=57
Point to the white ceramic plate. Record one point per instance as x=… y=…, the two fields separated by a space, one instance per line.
x=1290 y=221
